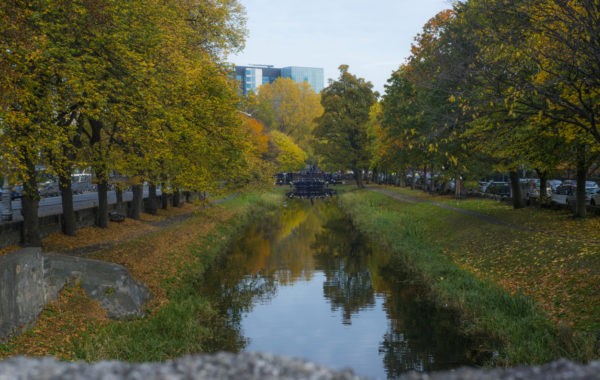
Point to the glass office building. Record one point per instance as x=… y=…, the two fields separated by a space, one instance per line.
x=312 y=75
x=252 y=77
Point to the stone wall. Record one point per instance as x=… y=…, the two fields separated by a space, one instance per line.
x=22 y=289
x=11 y=232
x=29 y=279
x=257 y=366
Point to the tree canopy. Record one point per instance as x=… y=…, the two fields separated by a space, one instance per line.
x=139 y=88
x=342 y=138
x=497 y=85
x=291 y=108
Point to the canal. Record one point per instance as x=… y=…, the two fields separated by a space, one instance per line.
x=307 y=284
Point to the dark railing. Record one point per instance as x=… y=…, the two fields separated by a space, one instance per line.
x=310 y=187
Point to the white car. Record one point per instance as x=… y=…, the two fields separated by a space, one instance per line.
x=595 y=198
x=591 y=194
x=554 y=183
x=561 y=194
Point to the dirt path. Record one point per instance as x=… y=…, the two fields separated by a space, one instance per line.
x=486 y=218
x=480 y=216
x=90 y=240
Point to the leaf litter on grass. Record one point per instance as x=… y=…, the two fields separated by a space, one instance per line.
x=152 y=253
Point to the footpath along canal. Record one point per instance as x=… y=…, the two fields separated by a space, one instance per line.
x=306 y=284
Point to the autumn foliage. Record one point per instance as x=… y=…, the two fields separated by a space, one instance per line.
x=140 y=89
x=497 y=86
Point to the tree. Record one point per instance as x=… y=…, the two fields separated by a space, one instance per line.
x=402 y=121
x=288 y=156
x=290 y=108
x=563 y=44
x=27 y=101
x=98 y=83
x=531 y=86
x=260 y=166
x=341 y=132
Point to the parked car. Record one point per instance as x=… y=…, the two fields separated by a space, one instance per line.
x=559 y=196
x=498 y=189
x=49 y=189
x=554 y=183
x=589 y=193
x=530 y=189
x=483 y=185
x=595 y=198
x=591 y=185
x=16 y=192
x=82 y=183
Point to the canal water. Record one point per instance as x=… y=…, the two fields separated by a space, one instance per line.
x=307 y=284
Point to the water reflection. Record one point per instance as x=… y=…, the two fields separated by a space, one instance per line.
x=343 y=255
x=307 y=284
x=421 y=336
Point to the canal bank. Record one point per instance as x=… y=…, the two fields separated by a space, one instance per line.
x=168 y=260
x=410 y=230
x=305 y=283
x=171 y=261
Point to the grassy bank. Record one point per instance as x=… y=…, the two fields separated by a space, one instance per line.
x=169 y=261
x=488 y=270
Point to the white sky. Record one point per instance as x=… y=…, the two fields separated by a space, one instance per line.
x=372 y=37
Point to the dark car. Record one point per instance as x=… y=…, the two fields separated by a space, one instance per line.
x=498 y=189
x=16 y=192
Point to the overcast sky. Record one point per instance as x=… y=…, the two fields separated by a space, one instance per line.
x=373 y=37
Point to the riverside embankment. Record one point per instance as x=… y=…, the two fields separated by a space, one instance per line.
x=534 y=288
x=438 y=244
x=168 y=257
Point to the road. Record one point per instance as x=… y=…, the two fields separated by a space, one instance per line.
x=53 y=205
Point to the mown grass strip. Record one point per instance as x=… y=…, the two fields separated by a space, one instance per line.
x=407 y=230
x=545 y=254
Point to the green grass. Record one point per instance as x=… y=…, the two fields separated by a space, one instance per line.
x=188 y=323
x=426 y=239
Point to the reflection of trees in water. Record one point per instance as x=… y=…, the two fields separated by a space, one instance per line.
x=284 y=249
x=342 y=254
x=421 y=336
x=233 y=291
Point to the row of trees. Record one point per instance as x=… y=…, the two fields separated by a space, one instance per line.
x=498 y=84
x=491 y=85
x=135 y=87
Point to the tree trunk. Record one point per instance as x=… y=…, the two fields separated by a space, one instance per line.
x=119 y=195
x=458 y=187
x=580 y=208
x=164 y=200
x=543 y=176
x=176 y=198
x=102 y=217
x=29 y=209
x=152 y=198
x=164 y=197
x=68 y=211
x=136 y=204
x=31 y=225
x=358 y=178
x=515 y=185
